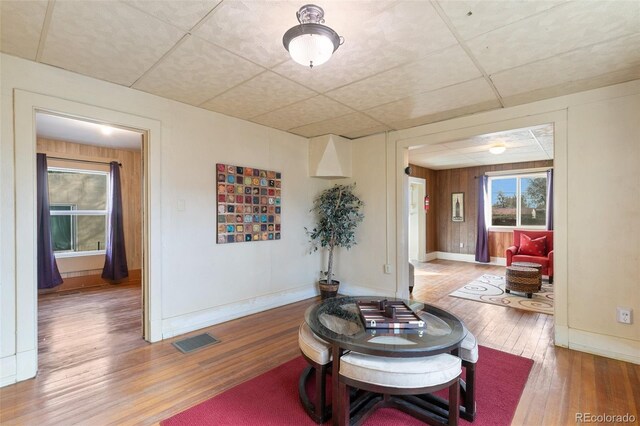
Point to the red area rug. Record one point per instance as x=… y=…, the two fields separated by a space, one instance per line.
x=272 y=398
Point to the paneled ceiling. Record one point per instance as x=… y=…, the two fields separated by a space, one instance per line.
x=403 y=63
x=50 y=126
x=526 y=144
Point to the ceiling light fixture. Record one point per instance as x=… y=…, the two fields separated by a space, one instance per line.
x=311 y=43
x=497 y=149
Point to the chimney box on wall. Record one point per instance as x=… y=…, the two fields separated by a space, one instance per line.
x=330 y=157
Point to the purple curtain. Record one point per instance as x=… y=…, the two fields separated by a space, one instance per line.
x=115 y=263
x=482 y=241
x=550 y=199
x=48 y=274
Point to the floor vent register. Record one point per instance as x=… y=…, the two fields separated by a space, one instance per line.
x=191 y=344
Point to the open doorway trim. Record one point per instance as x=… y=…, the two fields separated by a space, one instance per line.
x=26 y=105
x=422 y=217
x=489 y=123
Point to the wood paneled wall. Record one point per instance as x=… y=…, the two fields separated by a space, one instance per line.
x=499 y=242
x=445 y=235
x=430 y=177
x=452 y=234
x=131 y=179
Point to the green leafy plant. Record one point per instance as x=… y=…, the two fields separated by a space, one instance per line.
x=338 y=211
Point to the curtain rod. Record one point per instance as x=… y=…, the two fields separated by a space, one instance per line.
x=82 y=161
x=515 y=172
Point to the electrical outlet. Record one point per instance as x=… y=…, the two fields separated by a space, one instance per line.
x=461 y=245
x=387 y=268
x=624 y=315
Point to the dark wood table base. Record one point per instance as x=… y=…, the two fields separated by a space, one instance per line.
x=316 y=413
x=468 y=415
x=364 y=404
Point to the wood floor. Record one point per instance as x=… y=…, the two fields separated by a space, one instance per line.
x=95 y=369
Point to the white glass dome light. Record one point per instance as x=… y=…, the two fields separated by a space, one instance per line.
x=311 y=43
x=311 y=49
x=497 y=149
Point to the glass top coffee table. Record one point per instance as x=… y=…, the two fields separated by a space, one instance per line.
x=338 y=321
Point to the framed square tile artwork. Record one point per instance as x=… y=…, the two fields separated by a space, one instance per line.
x=248 y=203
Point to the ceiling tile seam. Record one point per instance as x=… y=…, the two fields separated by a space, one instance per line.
x=168 y=22
x=466 y=48
x=377 y=120
x=403 y=64
x=191 y=32
x=586 y=46
x=206 y=17
x=277 y=65
x=303 y=100
x=273 y=70
x=200 y=105
x=177 y=44
x=416 y=94
x=466 y=114
x=330 y=119
x=462 y=154
x=538 y=142
x=524 y=18
x=254 y=77
x=517 y=96
x=231 y=52
x=44 y=33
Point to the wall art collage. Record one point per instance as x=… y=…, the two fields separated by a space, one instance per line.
x=248 y=204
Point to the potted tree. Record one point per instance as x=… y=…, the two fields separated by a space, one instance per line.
x=338 y=212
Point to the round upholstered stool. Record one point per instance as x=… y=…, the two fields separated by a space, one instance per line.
x=398 y=376
x=469 y=354
x=317 y=352
x=525 y=280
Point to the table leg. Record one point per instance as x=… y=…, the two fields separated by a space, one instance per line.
x=336 y=403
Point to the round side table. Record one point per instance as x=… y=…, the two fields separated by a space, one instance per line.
x=525 y=280
x=531 y=265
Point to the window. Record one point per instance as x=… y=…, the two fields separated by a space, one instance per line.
x=519 y=201
x=78 y=204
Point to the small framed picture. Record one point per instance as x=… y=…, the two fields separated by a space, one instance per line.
x=457 y=206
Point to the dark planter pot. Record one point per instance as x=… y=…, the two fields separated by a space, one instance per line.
x=328 y=290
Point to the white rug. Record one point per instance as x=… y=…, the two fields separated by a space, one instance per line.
x=490 y=289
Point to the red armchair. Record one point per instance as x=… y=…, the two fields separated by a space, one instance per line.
x=546 y=261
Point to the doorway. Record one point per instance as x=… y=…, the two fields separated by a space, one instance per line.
x=434 y=142
x=417 y=236
x=86 y=316
x=26 y=104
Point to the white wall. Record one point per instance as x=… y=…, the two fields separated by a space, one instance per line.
x=597 y=209
x=200 y=281
x=360 y=270
x=604 y=226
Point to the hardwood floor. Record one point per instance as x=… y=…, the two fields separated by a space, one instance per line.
x=100 y=371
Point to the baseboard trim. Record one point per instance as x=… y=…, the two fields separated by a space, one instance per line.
x=26 y=364
x=607 y=346
x=8 y=370
x=18 y=367
x=561 y=337
x=354 y=290
x=90 y=281
x=471 y=258
x=196 y=320
x=431 y=256
x=156 y=333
